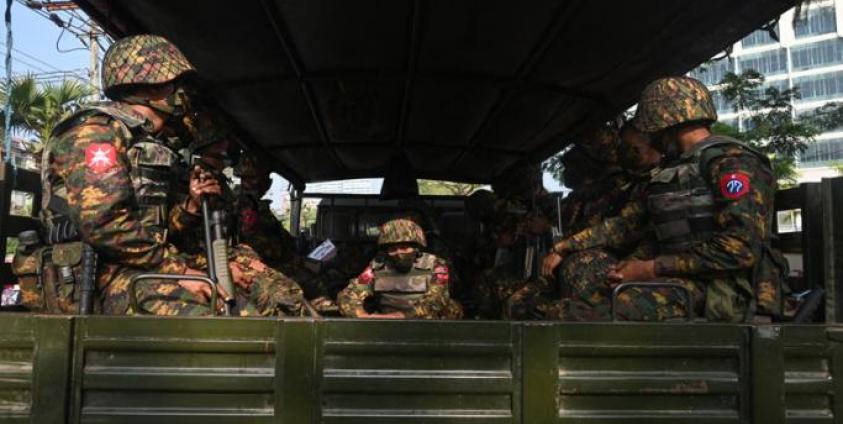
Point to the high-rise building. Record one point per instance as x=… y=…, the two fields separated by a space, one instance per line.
x=808 y=55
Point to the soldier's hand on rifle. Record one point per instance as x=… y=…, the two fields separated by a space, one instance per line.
x=552 y=260
x=202 y=290
x=198 y=288
x=201 y=183
x=633 y=271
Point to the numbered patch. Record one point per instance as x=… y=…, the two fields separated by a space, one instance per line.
x=734 y=186
x=100 y=157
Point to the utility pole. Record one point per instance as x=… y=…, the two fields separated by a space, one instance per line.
x=92 y=34
x=93 y=48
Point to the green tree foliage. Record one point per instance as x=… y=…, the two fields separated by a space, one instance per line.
x=446 y=188
x=37 y=109
x=769 y=125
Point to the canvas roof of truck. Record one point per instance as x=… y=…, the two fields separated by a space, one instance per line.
x=450 y=90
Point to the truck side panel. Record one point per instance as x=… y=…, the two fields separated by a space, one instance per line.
x=34 y=368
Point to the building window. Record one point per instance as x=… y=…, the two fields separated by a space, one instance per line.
x=823 y=151
x=759 y=37
x=816 y=21
x=721 y=103
x=713 y=72
x=823 y=53
x=819 y=87
x=768 y=63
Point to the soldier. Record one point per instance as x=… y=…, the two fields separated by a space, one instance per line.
x=710 y=207
x=521 y=220
x=594 y=199
x=107 y=175
x=258 y=228
x=402 y=281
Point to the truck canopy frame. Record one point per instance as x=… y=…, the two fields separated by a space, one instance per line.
x=460 y=91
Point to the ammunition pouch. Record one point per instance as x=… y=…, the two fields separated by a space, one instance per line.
x=50 y=277
x=769 y=282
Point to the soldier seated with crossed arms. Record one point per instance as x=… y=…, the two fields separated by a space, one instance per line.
x=402 y=281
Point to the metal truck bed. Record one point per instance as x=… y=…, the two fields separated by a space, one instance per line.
x=200 y=370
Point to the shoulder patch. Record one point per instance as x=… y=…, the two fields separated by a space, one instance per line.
x=441 y=274
x=366 y=277
x=734 y=185
x=100 y=157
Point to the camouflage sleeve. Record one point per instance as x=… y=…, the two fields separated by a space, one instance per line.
x=616 y=232
x=743 y=192
x=183 y=222
x=351 y=299
x=432 y=305
x=91 y=160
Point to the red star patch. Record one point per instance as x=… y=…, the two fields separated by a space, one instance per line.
x=100 y=157
x=366 y=277
x=734 y=186
x=441 y=275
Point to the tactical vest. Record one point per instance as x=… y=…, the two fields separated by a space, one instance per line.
x=680 y=199
x=151 y=171
x=398 y=291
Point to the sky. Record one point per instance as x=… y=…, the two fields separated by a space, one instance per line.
x=35 y=39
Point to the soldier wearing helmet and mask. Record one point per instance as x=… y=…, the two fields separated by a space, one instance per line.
x=709 y=208
x=108 y=176
x=402 y=281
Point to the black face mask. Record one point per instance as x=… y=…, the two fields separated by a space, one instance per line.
x=403 y=262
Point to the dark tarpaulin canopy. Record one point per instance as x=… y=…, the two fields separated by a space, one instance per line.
x=453 y=90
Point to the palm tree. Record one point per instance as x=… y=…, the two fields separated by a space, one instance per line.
x=59 y=101
x=25 y=96
x=36 y=110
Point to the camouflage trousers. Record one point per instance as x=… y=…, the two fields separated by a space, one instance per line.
x=491 y=290
x=590 y=295
x=316 y=291
x=270 y=293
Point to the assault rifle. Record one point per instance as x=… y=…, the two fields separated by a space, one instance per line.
x=216 y=245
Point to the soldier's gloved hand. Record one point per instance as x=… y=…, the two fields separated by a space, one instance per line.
x=633 y=271
x=201 y=183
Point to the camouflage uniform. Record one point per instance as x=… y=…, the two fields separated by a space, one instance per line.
x=711 y=210
x=521 y=198
x=420 y=292
x=591 y=202
x=105 y=175
x=258 y=228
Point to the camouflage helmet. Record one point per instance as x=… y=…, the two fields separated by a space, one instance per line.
x=601 y=144
x=401 y=231
x=142 y=59
x=671 y=101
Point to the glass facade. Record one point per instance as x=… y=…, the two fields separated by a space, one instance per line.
x=816 y=21
x=773 y=62
x=722 y=105
x=713 y=72
x=823 y=53
x=823 y=151
x=759 y=37
x=819 y=87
